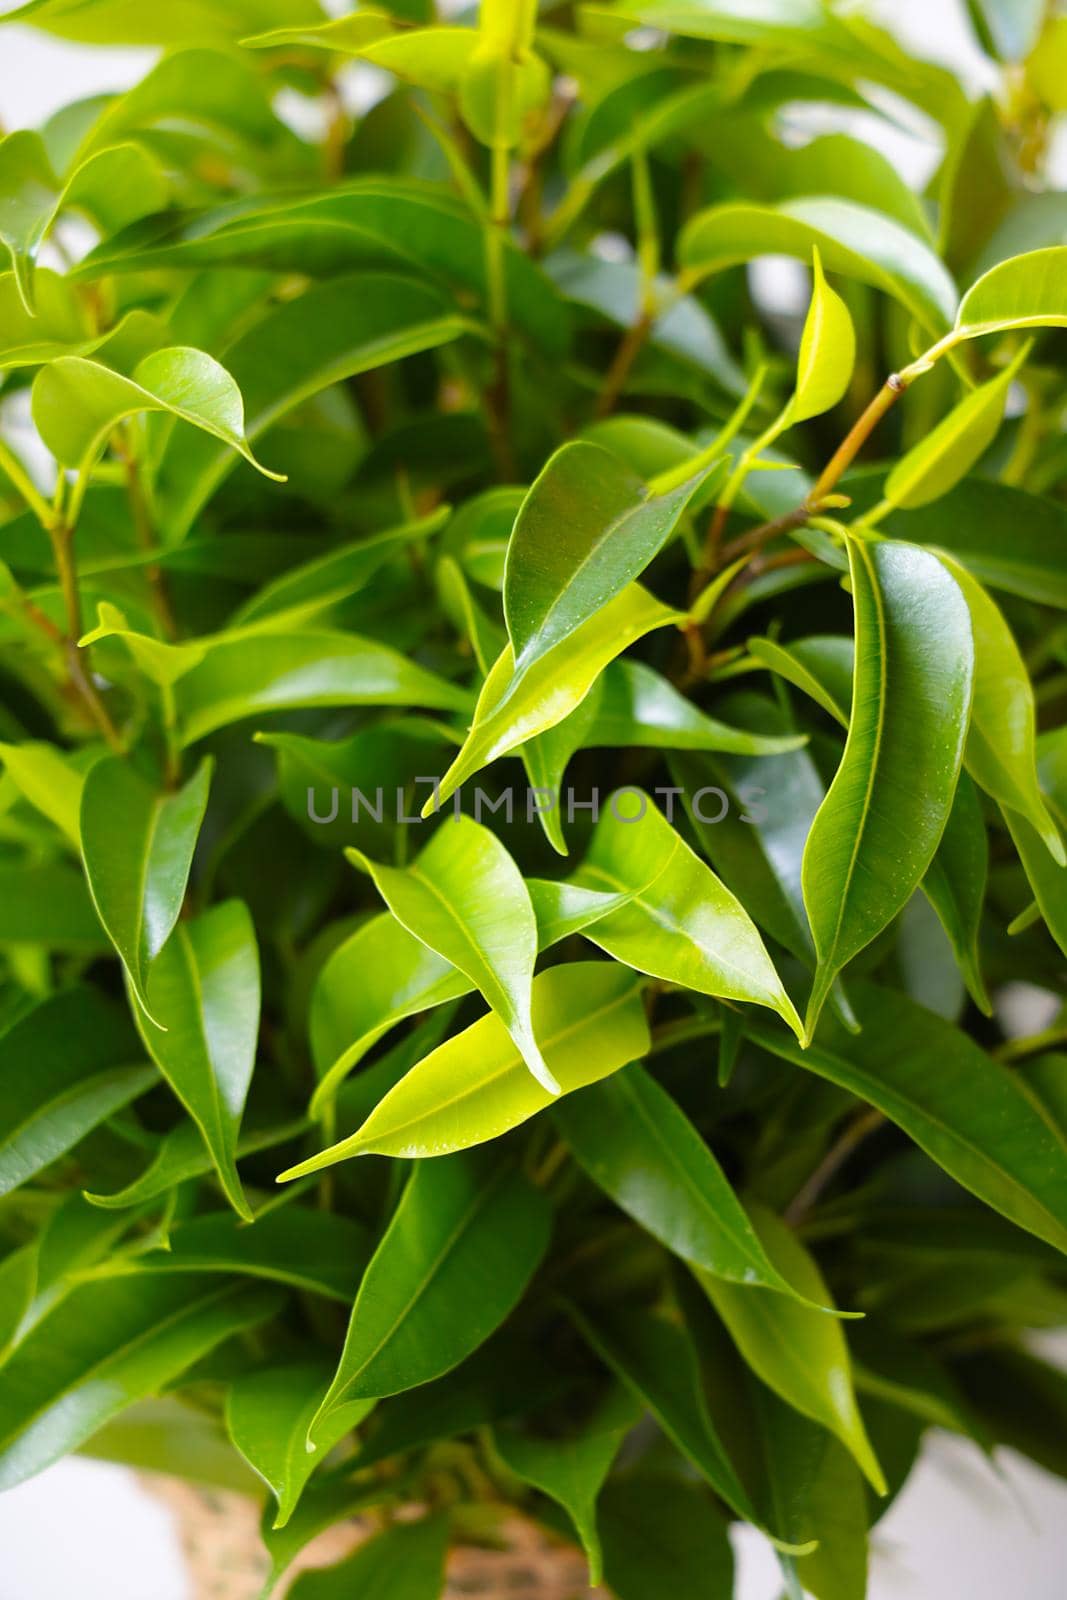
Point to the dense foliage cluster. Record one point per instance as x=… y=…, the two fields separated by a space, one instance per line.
x=519 y=733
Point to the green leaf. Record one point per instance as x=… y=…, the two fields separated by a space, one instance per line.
x=636 y=706
x=66 y=1067
x=292 y=354
x=663 y=1536
x=382 y=974
x=876 y=832
x=125 y=22
x=827 y=351
x=465 y=898
x=955 y=885
x=203 y=994
x=944 y=456
x=851 y=239
x=405 y=1562
x=48 y=782
x=313 y=585
x=799 y=1353
x=322 y=1506
x=965 y=1110
x=306 y=1249
x=389 y=222
x=268 y=1415
x=516 y=706
x=138 y=846
x=655 y=1360
x=463 y=1243
x=1001 y=752
x=615 y=524
x=113 y=187
x=1026 y=291
x=638 y=1145
x=571 y=1470
x=78 y=403
x=1011 y=27
x=681 y=925
x=47 y=903
x=182 y=1154
x=108 y=1344
x=257 y=671
x=589 y=1020
x=791 y=662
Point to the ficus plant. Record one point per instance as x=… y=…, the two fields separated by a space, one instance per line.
x=530 y=768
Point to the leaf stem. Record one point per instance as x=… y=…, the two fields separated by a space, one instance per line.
x=146 y=533
x=853 y=1135
x=23 y=483
x=78 y=663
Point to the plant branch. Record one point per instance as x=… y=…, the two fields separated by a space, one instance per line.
x=853 y=1135
x=78 y=665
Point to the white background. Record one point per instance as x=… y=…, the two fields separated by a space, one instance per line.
x=960 y=1531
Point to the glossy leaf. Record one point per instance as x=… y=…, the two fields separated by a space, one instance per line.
x=257 y=672
x=78 y=403
x=798 y=1353
x=614 y=524
x=682 y=925
x=961 y=1107
x=48 y=782
x=203 y=994
x=638 y=1145
x=294 y=1245
x=125 y=820
x=464 y=897
x=589 y=1021
x=661 y=1536
x=515 y=706
x=110 y=1343
x=876 y=832
x=382 y=974
x=463 y=1243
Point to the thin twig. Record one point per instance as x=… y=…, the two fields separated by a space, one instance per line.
x=851 y=1136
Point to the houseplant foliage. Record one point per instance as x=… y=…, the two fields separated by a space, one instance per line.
x=377 y=489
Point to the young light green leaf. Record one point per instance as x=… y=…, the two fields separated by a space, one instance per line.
x=798 y=1353
x=268 y=1415
x=789 y=662
x=109 y=1343
x=571 y=1469
x=465 y=898
x=68 y=1063
x=615 y=524
x=964 y=1109
x=78 y=403
x=655 y=1360
x=638 y=707
x=938 y=462
x=682 y=924
x=382 y=974
x=255 y=672
x=1001 y=753
x=138 y=846
x=1026 y=291
x=589 y=1021
x=516 y=706
x=161 y=662
x=827 y=351
x=466 y=1238
x=203 y=993
x=635 y=1141
x=876 y=832
x=405 y=1562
